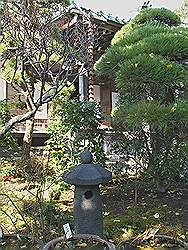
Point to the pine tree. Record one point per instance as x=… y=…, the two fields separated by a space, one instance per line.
x=148 y=61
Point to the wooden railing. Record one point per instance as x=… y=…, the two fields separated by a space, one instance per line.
x=40 y=125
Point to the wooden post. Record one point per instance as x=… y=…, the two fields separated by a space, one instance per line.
x=90 y=58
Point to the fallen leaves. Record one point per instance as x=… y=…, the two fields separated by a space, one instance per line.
x=156 y=215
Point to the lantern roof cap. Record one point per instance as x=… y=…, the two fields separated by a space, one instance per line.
x=87 y=173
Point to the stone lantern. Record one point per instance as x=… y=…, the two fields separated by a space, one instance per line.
x=87 y=200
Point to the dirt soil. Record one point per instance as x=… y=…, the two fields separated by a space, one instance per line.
x=169 y=209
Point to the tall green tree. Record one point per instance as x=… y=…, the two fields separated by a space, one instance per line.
x=148 y=61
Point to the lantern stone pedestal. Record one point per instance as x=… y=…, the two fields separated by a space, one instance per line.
x=87 y=200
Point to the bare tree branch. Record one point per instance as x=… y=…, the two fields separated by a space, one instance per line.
x=46 y=47
x=16 y=119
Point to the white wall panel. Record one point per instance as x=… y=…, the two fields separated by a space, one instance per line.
x=2 y=89
x=97 y=92
x=114 y=99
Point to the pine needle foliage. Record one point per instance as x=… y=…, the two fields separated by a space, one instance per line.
x=147 y=60
x=152 y=39
x=152 y=75
x=162 y=15
x=153 y=113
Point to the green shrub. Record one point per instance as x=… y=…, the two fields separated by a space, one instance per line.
x=74 y=127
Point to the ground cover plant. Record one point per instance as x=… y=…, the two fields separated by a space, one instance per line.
x=32 y=207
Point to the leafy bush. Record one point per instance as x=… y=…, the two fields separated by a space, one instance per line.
x=74 y=126
x=7 y=168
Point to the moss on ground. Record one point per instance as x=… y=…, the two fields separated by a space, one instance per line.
x=123 y=219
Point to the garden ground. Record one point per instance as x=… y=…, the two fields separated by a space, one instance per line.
x=124 y=218
x=168 y=212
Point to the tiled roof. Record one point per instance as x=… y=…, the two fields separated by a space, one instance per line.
x=100 y=15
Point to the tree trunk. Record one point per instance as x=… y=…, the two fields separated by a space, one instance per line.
x=15 y=120
x=156 y=150
x=27 y=139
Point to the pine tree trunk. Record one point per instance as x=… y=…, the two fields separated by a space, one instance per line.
x=156 y=149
